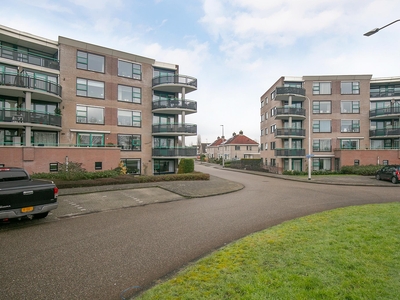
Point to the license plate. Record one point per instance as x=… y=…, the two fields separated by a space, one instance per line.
x=27 y=209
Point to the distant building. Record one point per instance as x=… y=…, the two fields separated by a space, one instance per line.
x=333 y=120
x=237 y=147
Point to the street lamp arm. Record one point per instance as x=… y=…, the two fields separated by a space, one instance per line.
x=375 y=30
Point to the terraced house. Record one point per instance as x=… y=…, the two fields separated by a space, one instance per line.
x=68 y=100
x=330 y=121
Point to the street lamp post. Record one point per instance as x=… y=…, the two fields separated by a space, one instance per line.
x=223 y=147
x=375 y=30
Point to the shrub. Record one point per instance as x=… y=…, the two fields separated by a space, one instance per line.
x=186 y=165
x=367 y=170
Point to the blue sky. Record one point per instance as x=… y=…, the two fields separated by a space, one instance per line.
x=235 y=48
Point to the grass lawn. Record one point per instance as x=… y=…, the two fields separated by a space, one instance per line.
x=347 y=253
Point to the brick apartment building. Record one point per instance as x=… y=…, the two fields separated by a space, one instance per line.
x=332 y=121
x=71 y=101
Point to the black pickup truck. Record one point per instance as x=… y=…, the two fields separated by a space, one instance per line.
x=22 y=196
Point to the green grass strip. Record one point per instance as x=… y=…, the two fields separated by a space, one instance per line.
x=347 y=253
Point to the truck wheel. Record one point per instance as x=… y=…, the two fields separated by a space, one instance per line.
x=40 y=216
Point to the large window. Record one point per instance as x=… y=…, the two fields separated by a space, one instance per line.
x=385 y=90
x=322 y=145
x=130 y=70
x=89 y=114
x=41 y=138
x=349 y=144
x=129 y=118
x=90 y=140
x=350 y=126
x=163 y=142
x=132 y=165
x=89 y=61
x=322 y=88
x=89 y=88
x=321 y=164
x=131 y=142
x=350 y=88
x=322 y=107
x=350 y=107
x=164 y=166
x=7 y=137
x=129 y=94
x=322 y=126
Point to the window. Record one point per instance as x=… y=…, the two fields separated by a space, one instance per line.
x=273 y=94
x=349 y=144
x=272 y=145
x=53 y=167
x=322 y=145
x=248 y=148
x=262 y=103
x=42 y=138
x=384 y=90
x=89 y=61
x=131 y=142
x=130 y=70
x=350 y=126
x=273 y=128
x=129 y=118
x=89 y=114
x=266 y=146
x=266 y=116
x=356 y=162
x=322 y=88
x=322 y=126
x=89 y=88
x=266 y=100
x=237 y=147
x=273 y=111
x=350 y=88
x=98 y=165
x=322 y=107
x=261 y=147
x=129 y=94
x=132 y=165
x=262 y=118
x=350 y=107
x=90 y=140
x=385 y=162
x=321 y=164
x=164 y=166
x=273 y=162
x=266 y=131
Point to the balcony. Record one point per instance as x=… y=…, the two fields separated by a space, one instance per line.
x=175 y=152
x=385 y=132
x=287 y=152
x=21 y=118
x=174 y=83
x=295 y=112
x=29 y=58
x=14 y=85
x=175 y=129
x=283 y=93
x=290 y=132
x=382 y=113
x=174 y=106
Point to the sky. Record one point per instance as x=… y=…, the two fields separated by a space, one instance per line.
x=236 y=49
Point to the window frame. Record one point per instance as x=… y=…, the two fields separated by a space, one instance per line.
x=355 y=87
x=355 y=126
x=87 y=117
x=137 y=146
x=83 y=89
x=134 y=75
x=135 y=119
x=315 y=126
x=355 y=107
x=87 y=62
x=316 y=109
x=316 y=88
x=135 y=91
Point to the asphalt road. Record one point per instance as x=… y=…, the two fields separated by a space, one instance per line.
x=100 y=255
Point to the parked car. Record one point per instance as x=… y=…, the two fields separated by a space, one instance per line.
x=390 y=172
x=22 y=196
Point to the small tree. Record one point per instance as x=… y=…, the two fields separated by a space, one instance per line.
x=186 y=165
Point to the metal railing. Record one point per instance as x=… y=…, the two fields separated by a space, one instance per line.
x=385 y=132
x=290 y=131
x=322 y=149
x=393 y=110
x=175 y=103
x=290 y=152
x=290 y=111
x=23 y=81
x=287 y=90
x=178 y=128
x=28 y=116
x=29 y=58
x=175 y=79
x=175 y=152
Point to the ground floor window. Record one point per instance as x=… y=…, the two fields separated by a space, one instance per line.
x=297 y=164
x=41 y=138
x=164 y=166
x=90 y=140
x=349 y=144
x=385 y=144
x=8 y=137
x=130 y=142
x=132 y=165
x=321 y=164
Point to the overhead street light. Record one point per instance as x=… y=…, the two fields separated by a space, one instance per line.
x=375 y=30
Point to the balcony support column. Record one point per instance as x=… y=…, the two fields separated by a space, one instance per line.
x=28 y=129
